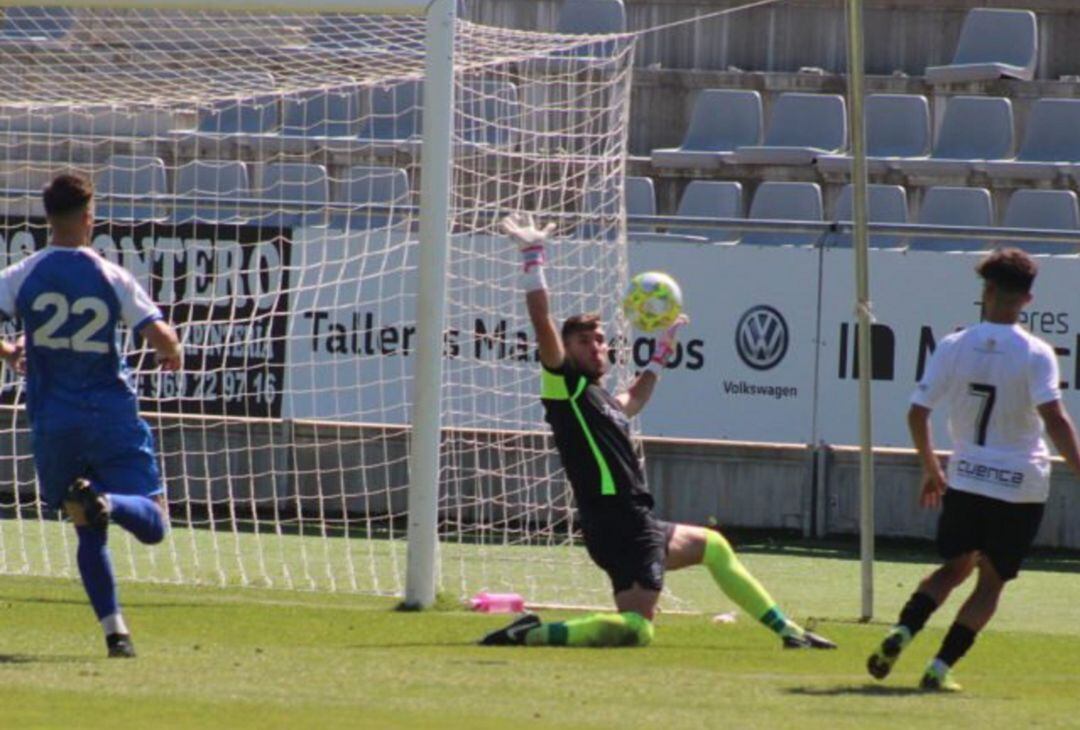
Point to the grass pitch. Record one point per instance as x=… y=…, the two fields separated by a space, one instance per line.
x=245 y=658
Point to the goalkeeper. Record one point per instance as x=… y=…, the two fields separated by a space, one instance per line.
x=592 y=433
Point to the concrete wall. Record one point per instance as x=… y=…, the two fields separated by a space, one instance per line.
x=901 y=35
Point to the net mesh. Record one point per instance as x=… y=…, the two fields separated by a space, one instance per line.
x=259 y=174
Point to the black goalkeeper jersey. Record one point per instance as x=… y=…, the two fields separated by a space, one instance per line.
x=592 y=434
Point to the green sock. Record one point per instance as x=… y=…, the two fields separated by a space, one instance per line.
x=598 y=629
x=738 y=585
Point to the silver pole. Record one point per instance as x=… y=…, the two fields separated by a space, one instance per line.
x=862 y=305
x=431 y=306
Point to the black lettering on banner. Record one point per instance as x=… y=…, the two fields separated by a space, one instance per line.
x=223 y=287
x=1062 y=352
x=927 y=345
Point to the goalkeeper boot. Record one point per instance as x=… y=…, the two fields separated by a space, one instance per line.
x=807 y=640
x=514 y=634
x=939 y=680
x=120 y=646
x=94 y=506
x=881 y=661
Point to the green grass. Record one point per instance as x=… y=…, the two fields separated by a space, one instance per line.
x=240 y=658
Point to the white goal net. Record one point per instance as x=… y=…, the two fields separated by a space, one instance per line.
x=260 y=175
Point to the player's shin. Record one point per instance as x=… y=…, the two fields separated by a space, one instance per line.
x=598 y=629
x=95 y=568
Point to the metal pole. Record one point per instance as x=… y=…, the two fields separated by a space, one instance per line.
x=431 y=305
x=862 y=305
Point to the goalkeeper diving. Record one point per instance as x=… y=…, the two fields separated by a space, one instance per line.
x=591 y=428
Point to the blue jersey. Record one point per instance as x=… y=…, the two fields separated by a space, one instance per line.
x=70 y=301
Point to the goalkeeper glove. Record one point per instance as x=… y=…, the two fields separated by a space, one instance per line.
x=665 y=346
x=530 y=241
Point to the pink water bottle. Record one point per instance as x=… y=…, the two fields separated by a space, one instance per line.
x=497 y=602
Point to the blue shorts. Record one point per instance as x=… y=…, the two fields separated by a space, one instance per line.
x=118 y=457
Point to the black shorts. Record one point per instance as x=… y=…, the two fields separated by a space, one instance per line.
x=1001 y=531
x=628 y=544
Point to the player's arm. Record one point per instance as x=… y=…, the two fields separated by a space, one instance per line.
x=14 y=354
x=933 y=479
x=162 y=337
x=530 y=241
x=1060 y=429
x=640 y=391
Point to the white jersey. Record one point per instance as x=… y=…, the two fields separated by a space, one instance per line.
x=991 y=377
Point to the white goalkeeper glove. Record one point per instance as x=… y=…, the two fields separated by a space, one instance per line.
x=665 y=346
x=530 y=241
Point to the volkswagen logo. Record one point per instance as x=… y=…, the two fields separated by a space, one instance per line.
x=761 y=338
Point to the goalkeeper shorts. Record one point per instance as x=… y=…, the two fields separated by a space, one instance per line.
x=628 y=544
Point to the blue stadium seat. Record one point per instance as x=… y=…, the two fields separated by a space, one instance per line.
x=591 y=17
x=802 y=127
x=975 y=128
x=369 y=187
x=897 y=126
x=993 y=44
x=885 y=204
x=206 y=191
x=138 y=181
x=788 y=201
x=1051 y=143
x=36 y=23
x=245 y=115
x=394 y=116
x=489 y=113
x=950 y=206
x=322 y=113
x=1043 y=209
x=711 y=199
x=296 y=193
x=722 y=121
x=640 y=200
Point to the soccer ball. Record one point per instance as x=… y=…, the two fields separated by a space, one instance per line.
x=653 y=301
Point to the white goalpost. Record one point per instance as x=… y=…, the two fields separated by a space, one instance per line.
x=312 y=194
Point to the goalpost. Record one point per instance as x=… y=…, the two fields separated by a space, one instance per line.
x=312 y=194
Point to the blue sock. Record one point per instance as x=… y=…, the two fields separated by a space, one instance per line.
x=95 y=567
x=138 y=515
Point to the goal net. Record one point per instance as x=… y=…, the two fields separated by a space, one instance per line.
x=260 y=175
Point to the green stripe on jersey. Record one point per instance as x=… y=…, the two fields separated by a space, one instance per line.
x=607 y=482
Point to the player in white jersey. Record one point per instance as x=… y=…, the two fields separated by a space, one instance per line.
x=999 y=384
x=93 y=454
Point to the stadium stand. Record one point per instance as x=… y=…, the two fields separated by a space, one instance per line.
x=243 y=115
x=1043 y=209
x=711 y=199
x=35 y=23
x=1051 y=143
x=394 y=118
x=974 y=128
x=592 y=17
x=950 y=206
x=793 y=201
x=368 y=187
x=885 y=204
x=993 y=44
x=204 y=189
x=126 y=187
x=322 y=113
x=297 y=183
x=640 y=200
x=802 y=127
x=897 y=126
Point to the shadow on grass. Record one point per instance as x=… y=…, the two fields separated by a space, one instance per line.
x=865 y=690
x=41 y=659
x=134 y=603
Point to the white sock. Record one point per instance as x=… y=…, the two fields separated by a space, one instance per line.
x=114 y=624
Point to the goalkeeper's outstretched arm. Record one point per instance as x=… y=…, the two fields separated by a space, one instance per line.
x=640 y=391
x=530 y=241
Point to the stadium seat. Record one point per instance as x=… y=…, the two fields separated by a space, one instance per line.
x=711 y=199
x=885 y=204
x=322 y=113
x=975 y=128
x=640 y=200
x=1044 y=209
x=1051 y=143
x=993 y=44
x=897 y=126
x=293 y=190
x=370 y=187
x=591 y=17
x=788 y=201
x=244 y=115
x=949 y=206
x=802 y=127
x=36 y=23
x=490 y=113
x=207 y=190
x=393 y=117
x=137 y=181
x=722 y=120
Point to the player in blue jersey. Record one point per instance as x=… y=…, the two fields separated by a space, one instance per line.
x=94 y=455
